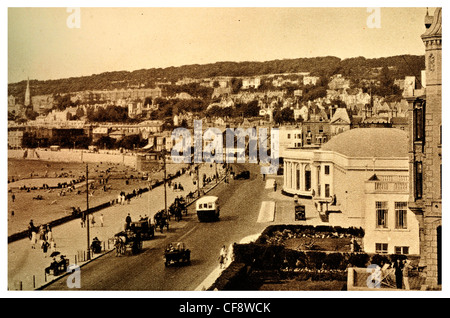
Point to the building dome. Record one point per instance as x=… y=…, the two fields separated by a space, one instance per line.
x=370 y=142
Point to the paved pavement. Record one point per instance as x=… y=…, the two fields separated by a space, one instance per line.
x=26 y=265
x=284 y=205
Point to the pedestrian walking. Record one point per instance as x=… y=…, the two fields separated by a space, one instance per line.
x=222 y=256
x=49 y=234
x=52 y=245
x=101 y=219
x=31 y=229
x=406 y=268
x=128 y=221
x=275 y=186
x=33 y=239
x=91 y=219
x=398 y=266
x=13 y=197
x=83 y=219
x=41 y=236
x=45 y=247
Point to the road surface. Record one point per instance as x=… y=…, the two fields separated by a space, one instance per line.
x=240 y=202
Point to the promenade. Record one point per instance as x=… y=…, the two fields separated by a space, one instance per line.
x=26 y=265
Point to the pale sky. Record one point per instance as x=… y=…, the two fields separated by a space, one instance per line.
x=42 y=46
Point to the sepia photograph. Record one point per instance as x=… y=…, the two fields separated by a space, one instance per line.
x=245 y=148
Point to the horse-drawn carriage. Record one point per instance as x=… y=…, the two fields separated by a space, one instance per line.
x=176 y=253
x=127 y=239
x=177 y=208
x=161 y=221
x=144 y=228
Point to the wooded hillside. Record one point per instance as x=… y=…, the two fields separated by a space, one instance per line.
x=354 y=69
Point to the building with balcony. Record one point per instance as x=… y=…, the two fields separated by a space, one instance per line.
x=389 y=226
x=316 y=131
x=359 y=178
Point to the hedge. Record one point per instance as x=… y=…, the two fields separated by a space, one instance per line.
x=232 y=278
x=272 y=257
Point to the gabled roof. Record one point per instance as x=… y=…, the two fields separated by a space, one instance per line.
x=340 y=114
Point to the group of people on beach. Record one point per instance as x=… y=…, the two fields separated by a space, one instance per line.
x=42 y=236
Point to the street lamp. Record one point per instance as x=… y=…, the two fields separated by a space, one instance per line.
x=198 y=180
x=87 y=213
x=165 y=185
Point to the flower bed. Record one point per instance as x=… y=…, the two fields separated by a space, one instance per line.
x=277 y=234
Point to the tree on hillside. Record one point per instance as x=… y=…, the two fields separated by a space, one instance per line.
x=30 y=113
x=313 y=93
x=105 y=142
x=250 y=109
x=109 y=114
x=286 y=115
x=386 y=86
x=131 y=142
x=236 y=84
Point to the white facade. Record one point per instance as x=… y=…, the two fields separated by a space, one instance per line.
x=310 y=80
x=15 y=138
x=251 y=82
x=378 y=206
x=289 y=137
x=392 y=228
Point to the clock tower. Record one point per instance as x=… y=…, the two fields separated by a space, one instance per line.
x=425 y=153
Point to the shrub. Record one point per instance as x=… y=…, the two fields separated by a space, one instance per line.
x=358 y=260
x=316 y=260
x=379 y=259
x=334 y=261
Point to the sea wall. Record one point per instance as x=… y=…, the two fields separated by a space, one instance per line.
x=70 y=155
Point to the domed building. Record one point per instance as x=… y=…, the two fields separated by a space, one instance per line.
x=359 y=178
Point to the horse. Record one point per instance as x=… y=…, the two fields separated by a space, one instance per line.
x=120 y=244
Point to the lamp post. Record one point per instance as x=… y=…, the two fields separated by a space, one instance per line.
x=198 y=180
x=165 y=185
x=87 y=213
